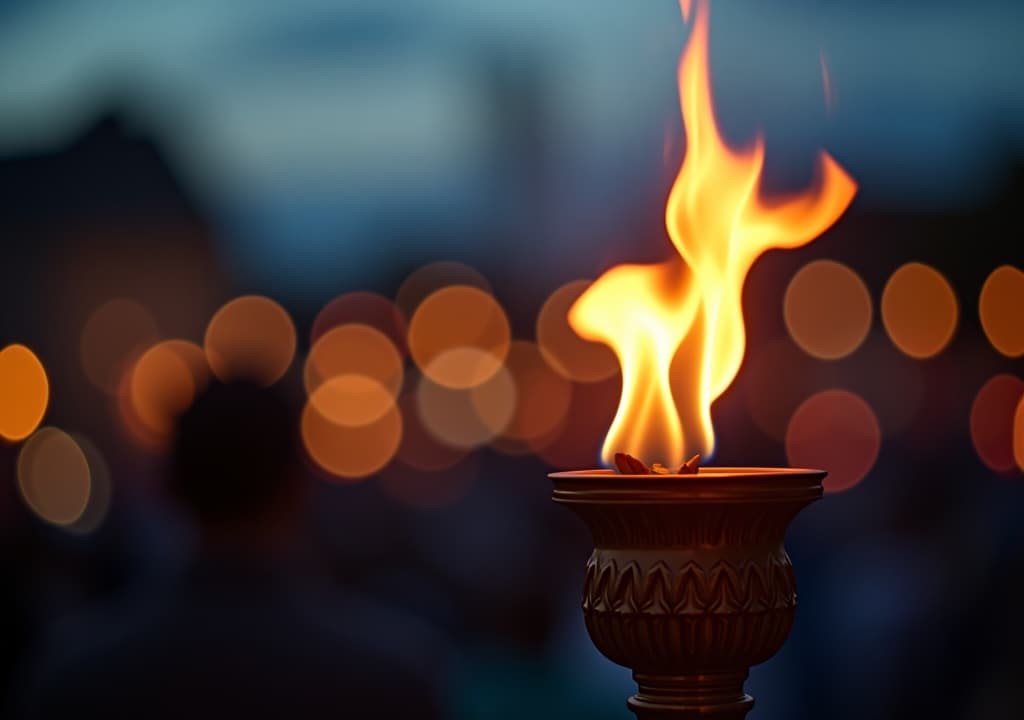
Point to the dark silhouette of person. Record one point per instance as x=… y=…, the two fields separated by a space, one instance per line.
x=240 y=633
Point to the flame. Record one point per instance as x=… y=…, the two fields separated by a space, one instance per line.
x=677 y=326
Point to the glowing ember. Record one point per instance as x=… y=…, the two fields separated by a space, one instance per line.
x=677 y=327
x=629 y=465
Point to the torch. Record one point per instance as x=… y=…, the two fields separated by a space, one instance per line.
x=689 y=583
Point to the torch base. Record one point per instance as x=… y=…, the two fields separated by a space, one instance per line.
x=689 y=584
x=719 y=696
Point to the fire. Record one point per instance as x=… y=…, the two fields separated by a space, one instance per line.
x=677 y=327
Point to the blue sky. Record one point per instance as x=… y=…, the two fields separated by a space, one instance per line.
x=317 y=113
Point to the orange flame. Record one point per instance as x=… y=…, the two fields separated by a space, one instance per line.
x=677 y=327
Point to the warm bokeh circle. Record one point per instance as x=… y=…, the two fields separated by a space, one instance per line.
x=459 y=336
x=354 y=349
x=252 y=338
x=919 y=310
x=349 y=452
x=164 y=381
x=112 y=338
x=1001 y=308
x=54 y=477
x=992 y=422
x=24 y=392
x=827 y=309
x=837 y=431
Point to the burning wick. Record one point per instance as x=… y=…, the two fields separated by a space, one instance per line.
x=629 y=465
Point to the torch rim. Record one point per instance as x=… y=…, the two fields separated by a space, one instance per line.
x=711 y=484
x=717 y=472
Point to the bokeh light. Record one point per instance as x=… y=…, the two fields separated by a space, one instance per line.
x=53 y=476
x=919 y=310
x=164 y=382
x=352 y=400
x=251 y=338
x=459 y=336
x=1001 y=307
x=347 y=452
x=992 y=421
x=354 y=349
x=571 y=355
x=837 y=431
x=467 y=418
x=363 y=308
x=827 y=309
x=543 y=396
x=425 y=281
x=495 y=401
x=100 y=488
x=24 y=392
x=113 y=336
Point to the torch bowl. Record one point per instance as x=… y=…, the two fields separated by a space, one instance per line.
x=689 y=584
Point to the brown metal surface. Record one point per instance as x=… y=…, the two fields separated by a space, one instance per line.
x=689 y=584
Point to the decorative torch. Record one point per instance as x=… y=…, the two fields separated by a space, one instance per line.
x=689 y=583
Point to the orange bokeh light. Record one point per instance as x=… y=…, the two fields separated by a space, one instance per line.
x=24 y=392
x=164 y=381
x=252 y=338
x=467 y=419
x=1000 y=307
x=992 y=421
x=568 y=353
x=459 y=336
x=354 y=349
x=919 y=310
x=495 y=401
x=348 y=452
x=112 y=338
x=827 y=309
x=352 y=400
x=54 y=477
x=835 y=430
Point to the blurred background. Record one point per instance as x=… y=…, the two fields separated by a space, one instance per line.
x=389 y=207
